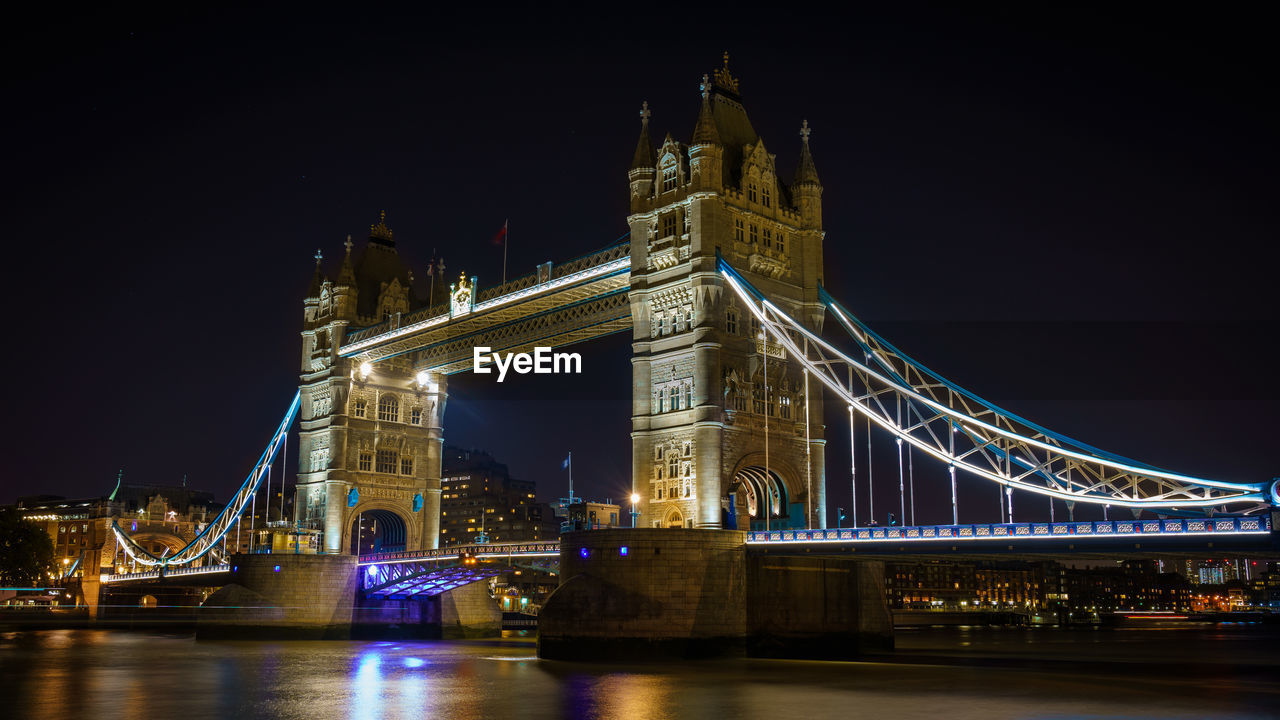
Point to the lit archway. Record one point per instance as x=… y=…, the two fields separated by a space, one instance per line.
x=377 y=530
x=754 y=492
x=674 y=518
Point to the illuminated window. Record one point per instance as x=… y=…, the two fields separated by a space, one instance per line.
x=785 y=401
x=737 y=230
x=753 y=233
x=673 y=467
x=366 y=462
x=406 y=466
x=386 y=462
x=359 y=408
x=669 y=178
x=389 y=408
x=415 y=416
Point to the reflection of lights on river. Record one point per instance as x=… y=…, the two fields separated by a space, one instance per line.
x=366 y=701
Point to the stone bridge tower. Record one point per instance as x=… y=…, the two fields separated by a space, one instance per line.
x=370 y=440
x=707 y=390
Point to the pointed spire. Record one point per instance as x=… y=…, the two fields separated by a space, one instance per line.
x=317 y=279
x=805 y=171
x=705 y=132
x=347 y=275
x=644 y=149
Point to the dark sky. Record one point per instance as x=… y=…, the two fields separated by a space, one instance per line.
x=1070 y=212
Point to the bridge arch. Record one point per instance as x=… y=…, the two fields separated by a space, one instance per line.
x=387 y=526
x=752 y=488
x=157 y=543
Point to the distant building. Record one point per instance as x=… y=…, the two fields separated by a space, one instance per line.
x=479 y=500
x=591 y=515
x=160 y=518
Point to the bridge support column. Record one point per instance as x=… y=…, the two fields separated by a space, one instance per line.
x=652 y=592
x=707 y=438
x=284 y=596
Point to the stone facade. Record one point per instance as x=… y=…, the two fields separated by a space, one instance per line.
x=704 y=384
x=371 y=437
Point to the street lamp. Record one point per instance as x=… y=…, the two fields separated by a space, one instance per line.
x=635 y=498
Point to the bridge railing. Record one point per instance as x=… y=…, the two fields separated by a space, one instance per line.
x=453 y=551
x=1259 y=524
x=169 y=572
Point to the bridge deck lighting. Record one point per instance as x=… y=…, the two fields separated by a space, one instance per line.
x=365 y=369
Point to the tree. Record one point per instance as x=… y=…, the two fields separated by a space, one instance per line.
x=26 y=552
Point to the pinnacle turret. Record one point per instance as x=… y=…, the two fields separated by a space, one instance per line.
x=347 y=275
x=705 y=132
x=317 y=278
x=806 y=172
x=644 y=149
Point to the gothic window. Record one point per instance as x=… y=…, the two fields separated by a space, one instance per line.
x=755 y=327
x=673 y=466
x=739 y=402
x=677 y=322
x=785 y=406
x=359 y=408
x=737 y=230
x=688 y=396
x=688 y=317
x=765 y=195
x=688 y=448
x=662 y=325
x=753 y=233
x=406 y=466
x=757 y=400
x=389 y=408
x=659 y=491
x=751 y=191
x=669 y=225
x=366 y=462
x=386 y=462
x=415 y=416
x=657 y=453
x=782 y=247
x=673 y=398
x=771 y=399
x=768 y=237
x=731 y=322
x=669 y=177
x=662 y=402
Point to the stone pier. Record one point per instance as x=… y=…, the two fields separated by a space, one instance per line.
x=649 y=592
x=283 y=596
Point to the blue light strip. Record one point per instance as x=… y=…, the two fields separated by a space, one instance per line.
x=1217 y=526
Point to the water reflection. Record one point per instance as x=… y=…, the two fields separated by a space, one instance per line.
x=960 y=674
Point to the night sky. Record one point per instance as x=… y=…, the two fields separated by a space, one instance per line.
x=1071 y=213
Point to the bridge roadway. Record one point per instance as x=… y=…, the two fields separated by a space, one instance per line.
x=1201 y=536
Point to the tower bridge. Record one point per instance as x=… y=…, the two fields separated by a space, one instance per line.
x=720 y=282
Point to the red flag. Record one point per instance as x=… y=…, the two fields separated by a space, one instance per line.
x=502 y=234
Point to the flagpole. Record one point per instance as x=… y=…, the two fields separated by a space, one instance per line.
x=505 y=233
x=570 y=477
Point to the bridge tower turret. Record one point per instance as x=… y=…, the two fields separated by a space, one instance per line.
x=371 y=438
x=707 y=391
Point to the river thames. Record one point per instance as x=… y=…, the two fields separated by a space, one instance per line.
x=1226 y=671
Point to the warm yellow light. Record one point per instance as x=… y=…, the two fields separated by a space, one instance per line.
x=365 y=369
x=635 y=498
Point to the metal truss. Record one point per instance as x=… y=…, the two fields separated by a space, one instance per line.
x=230 y=515
x=955 y=426
x=423 y=573
x=576 y=283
